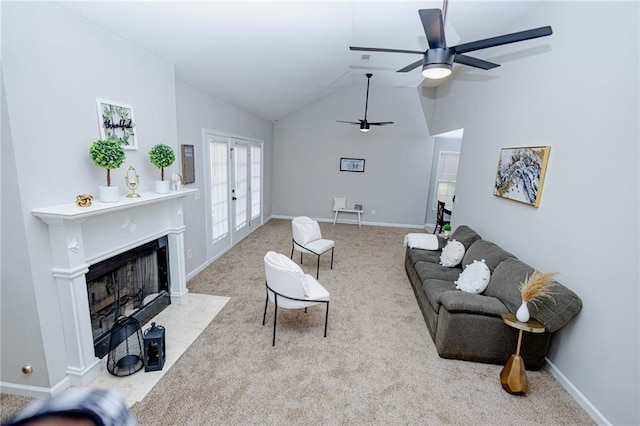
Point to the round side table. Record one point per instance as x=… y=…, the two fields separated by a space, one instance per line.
x=513 y=376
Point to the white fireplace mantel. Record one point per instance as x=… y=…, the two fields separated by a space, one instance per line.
x=83 y=236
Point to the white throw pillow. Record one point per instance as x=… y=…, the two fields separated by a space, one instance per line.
x=339 y=203
x=452 y=254
x=475 y=278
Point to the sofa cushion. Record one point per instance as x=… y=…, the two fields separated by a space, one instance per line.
x=554 y=314
x=505 y=282
x=474 y=278
x=433 y=289
x=465 y=235
x=452 y=254
x=419 y=255
x=428 y=270
x=490 y=252
x=459 y=301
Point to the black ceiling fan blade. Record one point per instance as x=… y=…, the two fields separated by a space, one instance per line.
x=474 y=62
x=412 y=66
x=348 y=122
x=503 y=39
x=376 y=49
x=380 y=123
x=433 y=27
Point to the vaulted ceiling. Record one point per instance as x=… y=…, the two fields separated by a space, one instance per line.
x=273 y=57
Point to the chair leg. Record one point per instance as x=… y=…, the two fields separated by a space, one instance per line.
x=326 y=320
x=332 y=257
x=318 y=268
x=291 y=257
x=275 y=317
x=264 y=316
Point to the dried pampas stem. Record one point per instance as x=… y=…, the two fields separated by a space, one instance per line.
x=537 y=286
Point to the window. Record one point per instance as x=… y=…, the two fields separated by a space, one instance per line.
x=256 y=179
x=445 y=186
x=219 y=188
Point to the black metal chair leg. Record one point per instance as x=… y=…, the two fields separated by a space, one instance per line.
x=275 y=317
x=318 y=268
x=326 y=320
x=332 y=257
x=266 y=302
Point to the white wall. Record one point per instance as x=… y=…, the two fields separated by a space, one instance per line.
x=55 y=64
x=197 y=111
x=581 y=98
x=310 y=143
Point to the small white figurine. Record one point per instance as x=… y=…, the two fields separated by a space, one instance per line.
x=176 y=182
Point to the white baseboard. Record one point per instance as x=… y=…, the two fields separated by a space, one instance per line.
x=597 y=416
x=35 y=391
x=391 y=225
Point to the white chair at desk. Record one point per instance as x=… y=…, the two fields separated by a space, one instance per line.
x=340 y=205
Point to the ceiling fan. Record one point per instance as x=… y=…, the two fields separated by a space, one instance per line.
x=364 y=124
x=438 y=59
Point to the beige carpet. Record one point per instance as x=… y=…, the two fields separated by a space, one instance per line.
x=377 y=365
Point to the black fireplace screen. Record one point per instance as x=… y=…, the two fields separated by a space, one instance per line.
x=132 y=284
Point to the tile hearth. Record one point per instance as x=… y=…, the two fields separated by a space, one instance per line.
x=183 y=324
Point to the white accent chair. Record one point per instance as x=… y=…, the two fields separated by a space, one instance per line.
x=307 y=238
x=290 y=288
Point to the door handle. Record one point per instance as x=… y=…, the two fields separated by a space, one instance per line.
x=233 y=198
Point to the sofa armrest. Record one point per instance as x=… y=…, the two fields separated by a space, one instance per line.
x=471 y=303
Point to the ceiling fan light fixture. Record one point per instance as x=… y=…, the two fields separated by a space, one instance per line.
x=364 y=127
x=436 y=71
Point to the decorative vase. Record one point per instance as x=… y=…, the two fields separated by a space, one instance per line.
x=522 y=314
x=162 y=186
x=109 y=194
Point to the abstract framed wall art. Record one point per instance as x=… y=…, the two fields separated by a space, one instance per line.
x=521 y=173
x=117 y=122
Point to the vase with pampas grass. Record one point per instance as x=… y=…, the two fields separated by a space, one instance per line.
x=536 y=287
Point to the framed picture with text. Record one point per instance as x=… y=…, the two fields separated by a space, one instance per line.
x=352 y=165
x=118 y=123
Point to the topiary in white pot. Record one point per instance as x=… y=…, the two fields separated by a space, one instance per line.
x=162 y=156
x=108 y=154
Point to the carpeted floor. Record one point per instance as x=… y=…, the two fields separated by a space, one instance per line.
x=377 y=365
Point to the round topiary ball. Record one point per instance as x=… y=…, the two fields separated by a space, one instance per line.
x=107 y=154
x=161 y=156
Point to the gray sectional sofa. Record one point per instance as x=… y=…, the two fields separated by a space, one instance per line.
x=469 y=326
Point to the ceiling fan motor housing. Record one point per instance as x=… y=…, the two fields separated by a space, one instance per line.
x=438 y=56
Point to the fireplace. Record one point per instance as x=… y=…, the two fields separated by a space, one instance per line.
x=132 y=284
x=82 y=238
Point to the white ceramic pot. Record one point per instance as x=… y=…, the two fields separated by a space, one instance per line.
x=109 y=194
x=162 y=186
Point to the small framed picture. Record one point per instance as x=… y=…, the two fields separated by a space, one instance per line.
x=352 y=165
x=117 y=122
x=358 y=207
x=188 y=168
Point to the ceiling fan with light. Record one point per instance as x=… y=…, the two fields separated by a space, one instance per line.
x=438 y=59
x=364 y=124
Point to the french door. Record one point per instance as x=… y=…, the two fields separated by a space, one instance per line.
x=235 y=189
